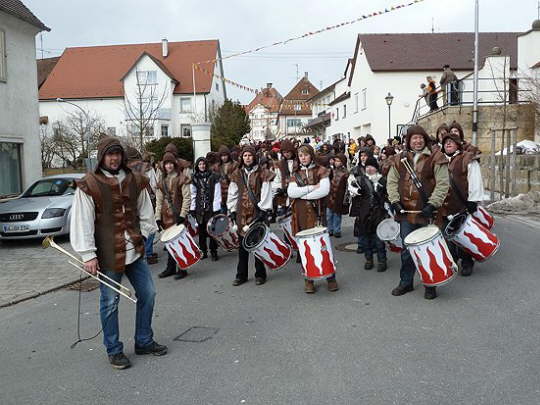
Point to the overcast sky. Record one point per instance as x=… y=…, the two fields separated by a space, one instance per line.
x=243 y=24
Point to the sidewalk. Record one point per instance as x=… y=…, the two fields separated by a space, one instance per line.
x=27 y=270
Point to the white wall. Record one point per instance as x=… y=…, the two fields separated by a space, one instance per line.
x=19 y=115
x=260 y=119
x=528 y=52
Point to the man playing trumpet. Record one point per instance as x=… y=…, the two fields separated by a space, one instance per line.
x=111 y=216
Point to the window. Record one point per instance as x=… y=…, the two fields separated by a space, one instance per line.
x=297 y=107
x=344 y=111
x=294 y=122
x=364 y=99
x=185 y=104
x=337 y=113
x=147 y=104
x=185 y=130
x=3 y=67
x=111 y=131
x=10 y=167
x=147 y=77
x=149 y=131
x=217 y=86
x=356 y=102
x=305 y=91
x=164 y=131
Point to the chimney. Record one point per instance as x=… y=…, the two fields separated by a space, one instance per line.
x=268 y=85
x=164 y=47
x=306 y=75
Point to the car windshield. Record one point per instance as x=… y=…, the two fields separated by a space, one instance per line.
x=51 y=187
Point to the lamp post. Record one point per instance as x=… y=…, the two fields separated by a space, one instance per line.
x=389 y=98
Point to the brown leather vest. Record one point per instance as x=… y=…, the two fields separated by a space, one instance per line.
x=225 y=171
x=457 y=170
x=306 y=213
x=338 y=186
x=245 y=210
x=174 y=187
x=409 y=194
x=116 y=213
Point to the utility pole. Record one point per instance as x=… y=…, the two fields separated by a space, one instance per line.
x=41 y=39
x=475 y=81
x=432 y=25
x=297 y=73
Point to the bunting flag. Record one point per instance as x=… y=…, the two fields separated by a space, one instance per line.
x=311 y=33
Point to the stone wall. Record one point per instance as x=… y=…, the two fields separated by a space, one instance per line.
x=525 y=176
x=520 y=116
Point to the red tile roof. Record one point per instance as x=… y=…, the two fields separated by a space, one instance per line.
x=268 y=97
x=17 y=9
x=96 y=71
x=297 y=97
x=536 y=66
x=44 y=68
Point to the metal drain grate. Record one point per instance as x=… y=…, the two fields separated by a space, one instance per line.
x=197 y=334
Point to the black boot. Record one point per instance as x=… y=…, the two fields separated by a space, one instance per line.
x=369 y=263
x=381 y=266
x=181 y=274
x=466 y=268
x=204 y=255
x=170 y=270
x=402 y=289
x=430 y=293
x=214 y=255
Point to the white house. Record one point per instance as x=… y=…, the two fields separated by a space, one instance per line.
x=126 y=84
x=321 y=111
x=399 y=63
x=20 y=160
x=263 y=114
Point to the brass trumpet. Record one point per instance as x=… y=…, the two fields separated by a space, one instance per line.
x=112 y=284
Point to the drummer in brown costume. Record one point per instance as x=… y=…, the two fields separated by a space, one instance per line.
x=466 y=190
x=226 y=167
x=308 y=185
x=432 y=171
x=110 y=217
x=249 y=200
x=336 y=198
x=283 y=169
x=173 y=199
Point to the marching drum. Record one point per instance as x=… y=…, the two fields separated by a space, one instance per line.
x=484 y=217
x=286 y=227
x=266 y=246
x=193 y=227
x=388 y=231
x=220 y=227
x=181 y=246
x=315 y=249
x=431 y=256
x=470 y=235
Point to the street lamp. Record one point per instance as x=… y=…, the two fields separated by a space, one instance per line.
x=389 y=98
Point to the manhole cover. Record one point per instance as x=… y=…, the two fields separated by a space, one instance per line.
x=347 y=247
x=197 y=334
x=85 y=285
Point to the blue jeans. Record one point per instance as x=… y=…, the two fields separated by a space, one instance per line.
x=334 y=221
x=149 y=245
x=371 y=244
x=406 y=273
x=141 y=279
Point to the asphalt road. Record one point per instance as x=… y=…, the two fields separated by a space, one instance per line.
x=475 y=344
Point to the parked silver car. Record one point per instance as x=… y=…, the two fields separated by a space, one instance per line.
x=43 y=209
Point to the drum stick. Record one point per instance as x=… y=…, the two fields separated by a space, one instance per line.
x=410 y=212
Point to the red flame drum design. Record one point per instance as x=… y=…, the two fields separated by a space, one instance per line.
x=474 y=238
x=192 y=226
x=266 y=246
x=181 y=246
x=315 y=249
x=285 y=224
x=220 y=227
x=484 y=217
x=388 y=231
x=431 y=256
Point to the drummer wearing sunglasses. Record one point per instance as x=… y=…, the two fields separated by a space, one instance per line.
x=415 y=204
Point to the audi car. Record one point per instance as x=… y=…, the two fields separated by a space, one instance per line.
x=43 y=209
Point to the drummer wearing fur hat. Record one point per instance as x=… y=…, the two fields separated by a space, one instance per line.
x=284 y=169
x=431 y=168
x=466 y=190
x=249 y=200
x=173 y=199
x=111 y=216
x=226 y=167
x=308 y=186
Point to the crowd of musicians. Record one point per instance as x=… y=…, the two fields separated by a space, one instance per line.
x=119 y=208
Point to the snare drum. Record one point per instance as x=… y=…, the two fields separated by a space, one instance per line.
x=181 y=246
x=484 y=217
x=192 y=226
x=286 y=226
x=471 y=236
x=315 y=249
x=431 y=256
x=266 y=246
x=388 y=231
x=220 y=227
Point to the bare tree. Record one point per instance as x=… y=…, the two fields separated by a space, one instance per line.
x=66 y=144
x=47 y=146
x=87 y=128
x=142 y=110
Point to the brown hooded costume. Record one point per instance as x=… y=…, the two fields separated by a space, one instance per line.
x=225 y=171
x=115 y=208
x=338 y=187
x=284 y=170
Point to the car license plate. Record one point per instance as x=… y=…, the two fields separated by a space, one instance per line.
x=16 y=228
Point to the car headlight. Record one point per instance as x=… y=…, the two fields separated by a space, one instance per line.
x=53 y=213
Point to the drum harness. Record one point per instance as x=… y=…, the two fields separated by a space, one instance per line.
x=251 y=195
